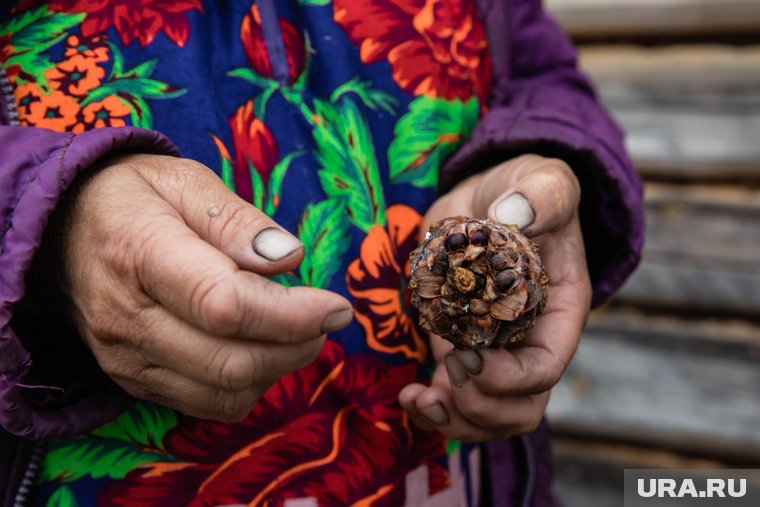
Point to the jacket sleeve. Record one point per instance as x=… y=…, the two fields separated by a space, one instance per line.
x=36 y=168
x=543 y=104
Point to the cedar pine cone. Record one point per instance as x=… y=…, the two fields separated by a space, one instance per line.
x=477 y=283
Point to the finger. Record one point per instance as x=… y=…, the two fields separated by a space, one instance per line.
x=471 y=416
x=173 y=390
x=534 y=367
x=231 y=364
x=536 y=194
x=502 y=415
x=217 y=215
x=406 y=399
x=203 y=286
x=439 y=347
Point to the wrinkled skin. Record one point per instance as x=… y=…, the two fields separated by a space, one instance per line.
x=493 y=394
x=171 y=297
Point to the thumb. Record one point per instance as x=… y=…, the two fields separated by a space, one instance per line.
x=536 y=194
x=221 y=218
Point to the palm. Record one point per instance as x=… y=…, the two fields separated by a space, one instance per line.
x=518 y=381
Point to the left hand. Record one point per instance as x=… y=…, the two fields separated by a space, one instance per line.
x=494 y=394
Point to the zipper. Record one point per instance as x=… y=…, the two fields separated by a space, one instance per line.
x=530 y=471
x=30 y=473
x=273 y=41
x=6 y=90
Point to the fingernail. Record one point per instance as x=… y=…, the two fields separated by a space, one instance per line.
x=457 y=373
x=471 y=360
x=337 y=320
x=515 y=209
x=436 y=413
x=274 y=244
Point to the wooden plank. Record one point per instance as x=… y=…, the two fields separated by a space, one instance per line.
x=603 y=18
x=687 y=385
x=690 y=112
x=701 y=251
x=588 y=472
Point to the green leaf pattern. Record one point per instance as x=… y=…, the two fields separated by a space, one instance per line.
x=33 y=33
x=112 y=450
x=426 y=135
x=348 y=165
x=62 y=497
x=36 y=31
x=324 y=232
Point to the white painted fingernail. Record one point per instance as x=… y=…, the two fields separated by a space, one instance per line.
x=515 y=209
x=274 y=244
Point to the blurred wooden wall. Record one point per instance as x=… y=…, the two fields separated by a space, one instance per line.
x=668 y=374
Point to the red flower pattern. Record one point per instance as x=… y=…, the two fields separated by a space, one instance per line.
x=6 y=51
x=338 y=418
x=133 y=19
x=378 y=282
x=252 y=36
x=6 y=48
x=254 y=145
x=436 y=48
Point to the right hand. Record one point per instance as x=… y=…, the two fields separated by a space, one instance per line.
x=166 y=269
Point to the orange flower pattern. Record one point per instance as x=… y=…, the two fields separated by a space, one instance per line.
x=54 y=111
x=76 y=75
x=109 y=112
x=378 y=282
x=93 y=48
x=61 y=97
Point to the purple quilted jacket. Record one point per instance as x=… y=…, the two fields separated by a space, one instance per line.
x=541 y=103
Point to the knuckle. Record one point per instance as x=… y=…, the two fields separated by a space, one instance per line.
x=492 y=385
x=231 y=370
x=270 y=320
x=473 y=409
x=217 y=304
x=114 y=367
x=551 y=375
x=119 y=255
x=146 y=375
x=232 y=219
x=301 y=326
x=563 y=181
x=531 y=423
x=550 y=379
x=103 y=326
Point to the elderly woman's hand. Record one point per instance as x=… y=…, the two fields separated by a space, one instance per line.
x=167 y=274
x=496 y=393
